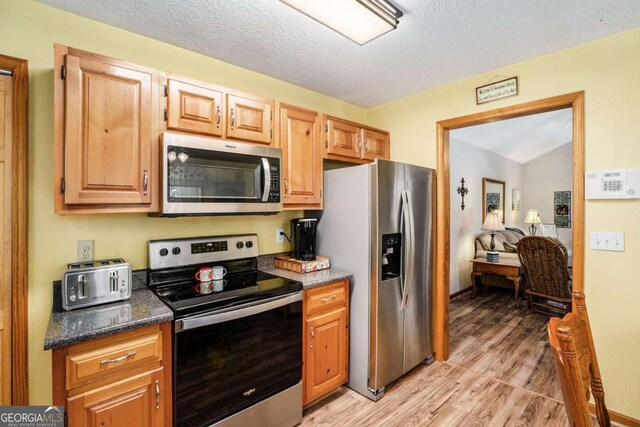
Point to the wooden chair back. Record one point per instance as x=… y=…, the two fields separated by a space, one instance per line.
x=577 y=366
x=545 y=265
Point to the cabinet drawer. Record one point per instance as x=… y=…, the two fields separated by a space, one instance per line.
x=327 y=297
x=113 y=356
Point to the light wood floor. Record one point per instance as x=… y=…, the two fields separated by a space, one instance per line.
x=499 y=374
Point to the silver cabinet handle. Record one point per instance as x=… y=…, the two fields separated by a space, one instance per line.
x=218 y=116
x=157 y=394
x=145 y=181
x=118 y=359
x=286 y=186
x=359 y=144
x=313 y=335
x=331 y=298
x=233 y=118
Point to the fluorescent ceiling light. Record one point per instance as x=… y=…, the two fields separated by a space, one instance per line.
x=358 y=20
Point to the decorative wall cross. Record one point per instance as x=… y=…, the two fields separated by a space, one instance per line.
x=462 y=191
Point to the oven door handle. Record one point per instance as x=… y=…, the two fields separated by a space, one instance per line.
x=236 y=313
x=266 y=173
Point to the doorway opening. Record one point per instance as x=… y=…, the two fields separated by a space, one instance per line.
x=13 y=230
x=519 y=177
x=575 y=101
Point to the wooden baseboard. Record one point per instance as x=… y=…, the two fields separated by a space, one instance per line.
x=460 y=292
x=618 y=418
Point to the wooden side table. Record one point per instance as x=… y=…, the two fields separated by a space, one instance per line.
x=508 y=267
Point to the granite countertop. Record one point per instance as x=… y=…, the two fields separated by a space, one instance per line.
x=71 y=327
x=309 y=280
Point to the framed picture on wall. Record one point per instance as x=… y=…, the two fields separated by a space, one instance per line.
x=515 y=199
x=492 y=197
x=549 y=230
x=562 y=209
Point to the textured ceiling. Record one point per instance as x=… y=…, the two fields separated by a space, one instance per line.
x=437 y=41
x=521 y=139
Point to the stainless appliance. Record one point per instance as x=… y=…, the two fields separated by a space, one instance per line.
x=303 y=238
x=377 y=224
x=90 y=283
x=237 y=342
x=204 y=176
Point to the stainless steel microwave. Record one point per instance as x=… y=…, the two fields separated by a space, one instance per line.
x=205 y=176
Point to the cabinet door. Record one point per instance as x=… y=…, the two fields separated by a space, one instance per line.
x=325 y=359
x=249 y=119
x=109 y=133
x=376 y=145
x=302 y=157
x=194 y=108
x=343 y=139
x=136 y=401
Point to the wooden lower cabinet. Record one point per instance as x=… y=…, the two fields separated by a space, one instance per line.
x=326 y=340
x=135 y=401
x=124 y=379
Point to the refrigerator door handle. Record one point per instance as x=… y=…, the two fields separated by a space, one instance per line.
x=407 y=265
x=412 y=248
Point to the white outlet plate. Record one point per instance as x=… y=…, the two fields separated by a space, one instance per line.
x=279 y=237
x=607 y=241
x=84 y=250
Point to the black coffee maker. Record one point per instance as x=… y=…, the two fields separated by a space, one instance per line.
x=303 y=238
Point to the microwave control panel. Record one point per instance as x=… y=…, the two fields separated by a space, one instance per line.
x=274 y=189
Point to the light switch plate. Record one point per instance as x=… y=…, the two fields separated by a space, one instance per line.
x=607 y=241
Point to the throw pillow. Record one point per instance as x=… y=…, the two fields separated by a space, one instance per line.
x=510 y=247
x=510 y=236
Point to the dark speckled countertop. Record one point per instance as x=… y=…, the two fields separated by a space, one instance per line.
x=309 y=280
x=71 y=327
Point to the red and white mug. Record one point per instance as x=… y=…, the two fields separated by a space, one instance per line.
x=205 y=274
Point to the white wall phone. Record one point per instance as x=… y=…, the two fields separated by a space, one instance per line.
x=612 y=184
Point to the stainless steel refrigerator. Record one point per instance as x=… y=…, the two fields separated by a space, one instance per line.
x=377 y=224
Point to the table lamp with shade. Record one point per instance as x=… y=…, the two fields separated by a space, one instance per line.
x=492 y=223
x=533 y=218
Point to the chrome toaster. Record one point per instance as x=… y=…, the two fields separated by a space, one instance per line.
x=86 y=284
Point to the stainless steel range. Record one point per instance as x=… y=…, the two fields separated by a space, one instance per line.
x=237 y=342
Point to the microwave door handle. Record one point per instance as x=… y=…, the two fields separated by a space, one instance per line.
x=266 y=175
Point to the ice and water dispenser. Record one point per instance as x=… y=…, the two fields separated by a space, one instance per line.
x=391 y=255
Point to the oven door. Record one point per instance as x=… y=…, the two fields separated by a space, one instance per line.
x=203 y=176
x=225 y=362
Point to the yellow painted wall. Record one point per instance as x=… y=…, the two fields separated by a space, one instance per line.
x=608 y=70
x=29 y=30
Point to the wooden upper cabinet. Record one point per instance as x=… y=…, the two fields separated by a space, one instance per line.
x=352 y=142
x=107 y=138
x=249 y=118
x=376 y=144
x=300 y=140
x=343 y=139
x=194 y=107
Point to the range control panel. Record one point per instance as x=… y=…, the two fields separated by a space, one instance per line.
x=201 y=250
x=204 y=247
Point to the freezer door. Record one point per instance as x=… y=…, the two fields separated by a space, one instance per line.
x=418 y=335
x=386 y=323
